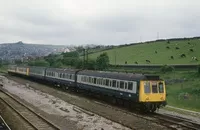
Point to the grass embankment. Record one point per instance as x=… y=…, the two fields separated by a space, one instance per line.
x=183 y=90
x=142 y=52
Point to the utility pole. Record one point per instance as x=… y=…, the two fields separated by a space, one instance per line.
x=87 y=56
x=115 y=57
x=83 y=58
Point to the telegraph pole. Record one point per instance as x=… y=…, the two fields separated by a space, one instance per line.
x=83 y=58
x=115 y=57
x=87 y=56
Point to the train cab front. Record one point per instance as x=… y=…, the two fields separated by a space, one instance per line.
x=152 y=95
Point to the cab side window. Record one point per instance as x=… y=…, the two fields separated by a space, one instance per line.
x=154 y=88
x=161 y=89
x=147 y=87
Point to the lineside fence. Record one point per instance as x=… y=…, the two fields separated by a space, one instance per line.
x=156 y=67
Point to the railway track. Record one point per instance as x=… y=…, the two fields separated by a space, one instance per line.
x=3 y=125
x=33 y=120
x=169 y=121
x=176 y=122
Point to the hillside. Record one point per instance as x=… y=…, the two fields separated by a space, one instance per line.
x=166 y=52
x=9 y=51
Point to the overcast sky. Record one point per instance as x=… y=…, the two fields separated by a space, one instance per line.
x=77 y=22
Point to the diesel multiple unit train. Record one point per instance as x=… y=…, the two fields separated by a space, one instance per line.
x=146 y=92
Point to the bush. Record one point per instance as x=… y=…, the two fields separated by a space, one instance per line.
x=79 y=64
x=57 y=64
x=167 y=68
x=199 y=69
x=91 y=64
x=102 y=61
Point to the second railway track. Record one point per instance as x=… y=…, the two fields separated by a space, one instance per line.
x=33 y=120
x=170 y=121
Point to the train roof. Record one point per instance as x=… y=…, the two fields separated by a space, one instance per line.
x=122 y=76
x=64 y=70
x=37 y=67
x=106 y=74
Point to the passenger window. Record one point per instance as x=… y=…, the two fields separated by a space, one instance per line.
x=100 y=81
x=154 y=88
x=107 y=82
x=122 y=84
x=110 y=83
x=90 y=80
x=104 y=81
x=125 y=85
x=95 y=80
x=161 y=89
x=130 y=86
x=114 y=83
x=147 y=87
x=117 y=84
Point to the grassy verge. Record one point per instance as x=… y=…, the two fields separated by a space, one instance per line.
x=185 y=92
x=180 y=111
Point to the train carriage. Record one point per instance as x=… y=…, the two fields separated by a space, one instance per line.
x=145 y=91
x=112 y=84
x=19 y=70
x=12 y=69
x=61 y=77
x=37 y=73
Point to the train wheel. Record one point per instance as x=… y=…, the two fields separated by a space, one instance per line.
x=113 y=100
x=119 y=101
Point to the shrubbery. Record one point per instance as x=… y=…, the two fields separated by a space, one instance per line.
x=199 y=69
x=167 y=68
x=72 y=59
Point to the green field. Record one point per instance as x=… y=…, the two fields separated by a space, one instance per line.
x=142 y=52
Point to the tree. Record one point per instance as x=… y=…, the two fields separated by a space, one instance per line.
x=53 y=58
x=79 y=64
x=102 y=61
x=73 y=54
x=91 y=64
x=57 y=64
